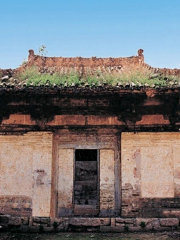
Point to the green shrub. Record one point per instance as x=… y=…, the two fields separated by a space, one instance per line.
x=142 y=224
x=55 y=225
x=126 y=228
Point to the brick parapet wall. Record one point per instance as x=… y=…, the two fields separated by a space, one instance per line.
x=86 y=65
x=80 y=62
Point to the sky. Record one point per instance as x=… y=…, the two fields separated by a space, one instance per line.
x=86 y=28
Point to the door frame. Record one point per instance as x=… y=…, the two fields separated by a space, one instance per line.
x=98 y=180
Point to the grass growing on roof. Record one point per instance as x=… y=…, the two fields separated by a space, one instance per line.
x=142 y=77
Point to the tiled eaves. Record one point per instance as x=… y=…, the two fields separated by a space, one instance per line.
x=89 y=90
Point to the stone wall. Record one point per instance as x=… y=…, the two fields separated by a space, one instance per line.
x=41 y=224
x=150 y=174
x=25 y=180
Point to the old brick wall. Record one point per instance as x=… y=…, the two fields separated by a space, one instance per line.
x=25 y=180
x=84 y=65
x=150 y=174
x=79 y=63
x=89 y=65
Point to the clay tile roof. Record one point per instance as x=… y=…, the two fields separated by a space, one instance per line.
x=93 y=73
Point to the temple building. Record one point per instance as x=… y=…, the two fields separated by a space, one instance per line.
x=102 y=143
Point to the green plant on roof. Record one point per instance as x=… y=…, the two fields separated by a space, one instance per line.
x=42 y=51
x=139 y=77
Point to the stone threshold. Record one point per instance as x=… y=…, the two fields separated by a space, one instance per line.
x=118 y=224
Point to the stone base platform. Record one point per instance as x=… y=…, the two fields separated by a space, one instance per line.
x=118 y=224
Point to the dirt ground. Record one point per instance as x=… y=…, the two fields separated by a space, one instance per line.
x=91 y=236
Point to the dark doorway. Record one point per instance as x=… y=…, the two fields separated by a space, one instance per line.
x=86 y=184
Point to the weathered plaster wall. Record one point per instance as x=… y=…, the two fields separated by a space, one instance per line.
x=150 y=173
x=157 y=180
x=107 y=178
x=65 y=181
x=25 y=180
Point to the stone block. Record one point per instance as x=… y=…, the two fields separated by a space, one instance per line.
x=36 y=224
x=145 y=220
x=150 y=224
x=36 y=219
x=45 y=220
x=120 y=220
x=169 y=222
x=129 y=221
x=120 y=224
x=14 y=221
x=105 y=221
x=4 y=218
x=58 y=220
x=125 y=220
x=92 y=222
x=25 y=220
